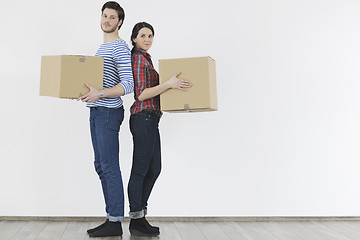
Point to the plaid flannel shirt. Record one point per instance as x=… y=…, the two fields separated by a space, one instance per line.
x=145 y=76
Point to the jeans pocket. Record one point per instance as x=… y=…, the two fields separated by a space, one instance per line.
x=116 y=116
x=135 y=123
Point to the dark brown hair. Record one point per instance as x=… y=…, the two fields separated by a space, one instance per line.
x=137 y=28
x=117 y=7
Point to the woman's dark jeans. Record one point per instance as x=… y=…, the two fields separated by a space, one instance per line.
x=146 y=165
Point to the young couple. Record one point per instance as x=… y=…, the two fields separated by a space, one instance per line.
x=125 y=72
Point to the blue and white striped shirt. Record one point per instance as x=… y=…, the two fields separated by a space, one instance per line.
x=117 y=70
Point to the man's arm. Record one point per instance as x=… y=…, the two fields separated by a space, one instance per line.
x=94 y=94
x=122 y=58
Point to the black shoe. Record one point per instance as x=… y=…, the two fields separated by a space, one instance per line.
x=110 y=229
x=98 y=227
x=153 y=227
x=141 y=227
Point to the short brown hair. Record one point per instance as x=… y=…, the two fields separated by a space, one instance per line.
x=117 y=7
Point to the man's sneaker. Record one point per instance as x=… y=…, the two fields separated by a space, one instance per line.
x=111 y=229
x=98 y=227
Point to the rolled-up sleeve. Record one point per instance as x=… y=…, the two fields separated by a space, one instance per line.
x=122 y=57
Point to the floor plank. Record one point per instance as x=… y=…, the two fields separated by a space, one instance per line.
x=9 y=229
x=189 y=231
x=168 y=230
x=355 y=225
x=212 y=231
x=126 y=232
x=53 y=231
x=75 y=231
x=30 y=230
x=257 y=231
x=328 y=232
x=304 y=231
x=307 y=230
x=349 y=229
x=280 y=231
x=234 y=231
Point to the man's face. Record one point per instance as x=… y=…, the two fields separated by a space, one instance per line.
x=110 y=20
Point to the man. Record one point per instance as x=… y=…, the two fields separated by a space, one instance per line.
x=106 y=116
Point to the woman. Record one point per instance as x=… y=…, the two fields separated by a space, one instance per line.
x=144 y=122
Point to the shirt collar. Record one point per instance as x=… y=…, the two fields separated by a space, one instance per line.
x=142 y=52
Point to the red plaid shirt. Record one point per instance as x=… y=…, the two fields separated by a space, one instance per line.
x=145 y=76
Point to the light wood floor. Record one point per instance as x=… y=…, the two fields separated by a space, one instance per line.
x=269 y=230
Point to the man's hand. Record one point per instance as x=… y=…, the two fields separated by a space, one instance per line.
x=92 y=96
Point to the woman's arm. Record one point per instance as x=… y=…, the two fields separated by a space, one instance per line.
x=173 y=82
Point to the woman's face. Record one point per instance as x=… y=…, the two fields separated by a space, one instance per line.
x=144 y=39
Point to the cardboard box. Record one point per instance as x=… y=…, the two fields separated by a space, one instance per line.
x=201 y=97
x=64 y=76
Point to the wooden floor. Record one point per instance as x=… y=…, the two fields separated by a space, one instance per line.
x=269 y=230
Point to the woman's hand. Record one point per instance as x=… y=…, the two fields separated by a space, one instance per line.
x=92 y=96
x=178 y=83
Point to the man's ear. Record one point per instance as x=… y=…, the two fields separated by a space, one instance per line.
x=119 y=23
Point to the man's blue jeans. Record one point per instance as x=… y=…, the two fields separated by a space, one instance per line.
x=146 y=165
x=104 y=126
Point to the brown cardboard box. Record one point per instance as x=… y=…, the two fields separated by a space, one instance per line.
x=201 y=96
x=64 y=76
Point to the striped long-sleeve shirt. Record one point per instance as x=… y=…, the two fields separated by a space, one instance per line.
x=117 y=70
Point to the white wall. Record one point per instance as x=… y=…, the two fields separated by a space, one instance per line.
x=285 y=141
